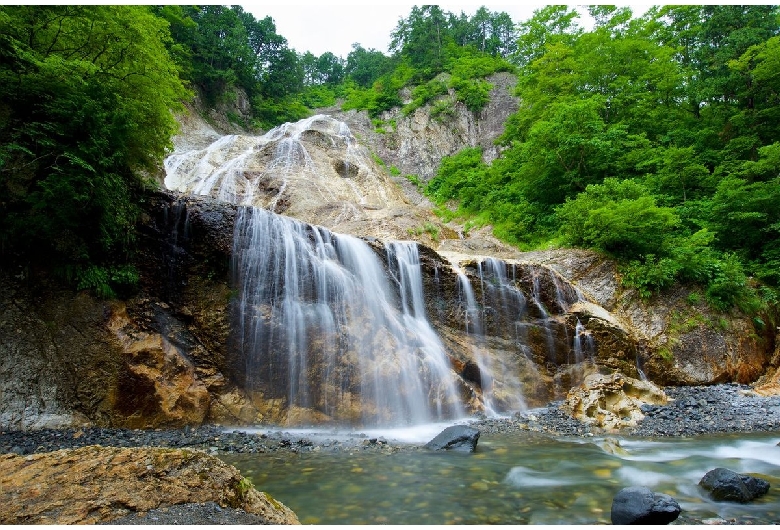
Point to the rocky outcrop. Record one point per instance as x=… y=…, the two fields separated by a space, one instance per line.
x=58 y=363
x=416 y=143
x=163 y=357
x=95 y=484
x=611 y=401
x=677 y=338
x=157 y=384
x=314 y=170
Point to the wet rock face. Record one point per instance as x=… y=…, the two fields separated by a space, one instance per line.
x=95 y=484
x=314 y=170
x=69 y=359
x=675 y=338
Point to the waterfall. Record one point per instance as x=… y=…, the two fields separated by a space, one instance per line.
x=321 y=327
x=501 y=389
x=235 y=167
x=331 y=328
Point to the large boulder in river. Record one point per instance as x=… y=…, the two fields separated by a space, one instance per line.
x=612 y=401
x=726 y=485
x=640 y=505
x=95 y=484
x=457 y=438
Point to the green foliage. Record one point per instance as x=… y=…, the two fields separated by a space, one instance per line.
x=619 y=217
x=222 y=48
x=318 y=96
x=414 y=179
x=428 y=228
x=422 y=94
x=651 y=138
x=457 y=173
x=650 y=276
x=87 y=94
x=382 y=96
x=364 y=67
x=474 y=93
x=271 y=112
x=442 y=110
x=107 y=282
x=427 y=43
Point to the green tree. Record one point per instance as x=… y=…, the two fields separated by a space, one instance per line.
x=364 y=67
x=421 y=39
x=619 y=217
x=87 y=94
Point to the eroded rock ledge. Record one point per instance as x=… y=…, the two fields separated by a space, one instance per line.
x=95 y=484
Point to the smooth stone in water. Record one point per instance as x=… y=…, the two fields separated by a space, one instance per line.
x=457 y=438
x=640 y=505
x=726 y=485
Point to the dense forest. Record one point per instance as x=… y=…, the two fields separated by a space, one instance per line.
x=653 y=137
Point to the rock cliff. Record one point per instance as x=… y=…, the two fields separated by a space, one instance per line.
x=519 y=330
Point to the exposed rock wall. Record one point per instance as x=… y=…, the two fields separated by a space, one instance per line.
x=417 y=142
x=677 y=339
x=161 y=358
x=153 y=360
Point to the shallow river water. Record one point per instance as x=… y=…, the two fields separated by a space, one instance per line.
x=513 y=479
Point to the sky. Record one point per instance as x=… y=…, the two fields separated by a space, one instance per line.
x=321 y=28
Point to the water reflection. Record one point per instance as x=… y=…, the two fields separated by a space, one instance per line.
x=513 y=479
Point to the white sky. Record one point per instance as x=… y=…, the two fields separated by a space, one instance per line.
x=321 y=28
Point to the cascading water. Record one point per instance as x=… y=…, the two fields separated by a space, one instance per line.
x=318 y=304
x=583 y=347
x=472 y=321
x=235 y=167
x=330 y=331
x=501 y=304
x=404 y=263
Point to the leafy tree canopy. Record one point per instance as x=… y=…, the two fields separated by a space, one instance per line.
x=85 y=112
x=653 y=138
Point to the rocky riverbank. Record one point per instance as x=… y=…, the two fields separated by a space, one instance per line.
x=691 y=411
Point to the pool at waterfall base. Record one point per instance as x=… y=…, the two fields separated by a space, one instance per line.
x=528 y=478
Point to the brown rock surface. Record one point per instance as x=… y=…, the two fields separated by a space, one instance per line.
x=97 y=484
x=611 y=401
x=157 y=384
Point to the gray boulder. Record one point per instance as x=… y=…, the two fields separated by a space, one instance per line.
x=725 y=485
x=457 y=438
x=640 y=505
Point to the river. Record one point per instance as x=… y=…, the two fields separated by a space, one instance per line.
x=524 y=478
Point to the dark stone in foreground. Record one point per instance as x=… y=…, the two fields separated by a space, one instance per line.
x=640 y=505
x=726 y=485
x=456 y=437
